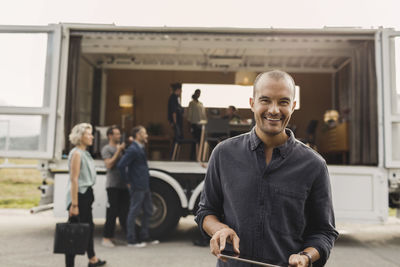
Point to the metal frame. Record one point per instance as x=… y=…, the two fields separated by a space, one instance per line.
x=379 y=75
x=7 y=140
x=334 y=34
x=388 y=82
x=375 y=177
x=62 y=91
x=48 y=110
x=189 y=48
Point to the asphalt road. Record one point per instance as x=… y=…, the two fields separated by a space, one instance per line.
x=27 y=240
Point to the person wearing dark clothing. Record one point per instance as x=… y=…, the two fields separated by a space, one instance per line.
x=135 y=171
x=175 y=111
x=231 y=114
x=266 y=193
x=85 y=202
x=80 y=193
x=117 y=190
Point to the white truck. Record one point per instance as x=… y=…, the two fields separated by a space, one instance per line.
x=357 y=66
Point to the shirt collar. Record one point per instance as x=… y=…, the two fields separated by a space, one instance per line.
x=283 y=149
x=139 y=144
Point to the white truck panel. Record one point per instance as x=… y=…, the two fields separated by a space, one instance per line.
x=60 y=192
x=179 y=166
x=360 y=193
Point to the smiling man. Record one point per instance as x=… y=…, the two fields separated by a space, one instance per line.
x=266 y=196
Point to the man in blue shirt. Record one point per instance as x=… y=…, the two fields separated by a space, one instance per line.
x=266 y=193
x=134 y=169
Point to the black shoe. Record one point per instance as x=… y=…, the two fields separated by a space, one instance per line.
x=98 y=263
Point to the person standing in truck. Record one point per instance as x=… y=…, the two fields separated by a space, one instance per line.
x=231 y=115
x=80 y=187
x=117 y=190
x=175 y=111
x=135 y=171
x=266 y=193
x=195 y=114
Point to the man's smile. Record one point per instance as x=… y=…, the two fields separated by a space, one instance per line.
x=271 y=119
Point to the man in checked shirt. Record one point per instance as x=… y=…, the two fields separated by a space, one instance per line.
x=266 y=195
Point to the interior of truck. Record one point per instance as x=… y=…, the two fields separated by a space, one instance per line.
x=123 y=78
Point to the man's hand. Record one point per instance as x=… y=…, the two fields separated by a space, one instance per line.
x=121 y=147
x=219 y=239
x=297 y=260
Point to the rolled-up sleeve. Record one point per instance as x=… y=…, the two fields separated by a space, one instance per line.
x=211 y=199
x=320 y=232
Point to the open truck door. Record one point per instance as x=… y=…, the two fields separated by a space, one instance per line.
x=28 y=90
x=391 y=97
x=391 y=111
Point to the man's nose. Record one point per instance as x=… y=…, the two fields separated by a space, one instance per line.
x=273 y=108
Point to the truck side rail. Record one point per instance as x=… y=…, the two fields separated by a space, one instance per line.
x=196 y=193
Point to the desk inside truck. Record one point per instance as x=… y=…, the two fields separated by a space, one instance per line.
x=159 y=147
x=336 y=141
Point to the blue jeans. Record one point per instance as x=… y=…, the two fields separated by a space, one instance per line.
x=140 y=200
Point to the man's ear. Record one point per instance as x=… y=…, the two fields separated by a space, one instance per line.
x=294 y=106
x=251 y=101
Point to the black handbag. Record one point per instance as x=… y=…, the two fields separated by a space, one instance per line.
x=71 y=238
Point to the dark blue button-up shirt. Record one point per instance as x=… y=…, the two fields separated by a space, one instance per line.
x=276 y=209
x=133 y=167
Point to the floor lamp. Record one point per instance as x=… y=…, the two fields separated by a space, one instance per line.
x=125 y=102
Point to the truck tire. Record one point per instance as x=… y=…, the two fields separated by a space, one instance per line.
x=167 y=209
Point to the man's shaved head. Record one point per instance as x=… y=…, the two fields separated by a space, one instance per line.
x=276 y=75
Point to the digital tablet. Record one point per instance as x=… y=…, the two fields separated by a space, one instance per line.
x=236 y=258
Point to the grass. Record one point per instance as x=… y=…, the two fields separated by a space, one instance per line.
x=19 y=187
x=392 y=212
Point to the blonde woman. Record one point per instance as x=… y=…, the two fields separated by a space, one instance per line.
x=196 y=113
x=80 y=193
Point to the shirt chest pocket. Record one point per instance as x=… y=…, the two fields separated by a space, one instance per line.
x=287 y=212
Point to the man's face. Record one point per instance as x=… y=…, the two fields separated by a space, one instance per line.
x=178 y=91
x=116 y=136
x=142 y=136
x=272 y=105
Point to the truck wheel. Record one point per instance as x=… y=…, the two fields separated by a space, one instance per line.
x=167 y=209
